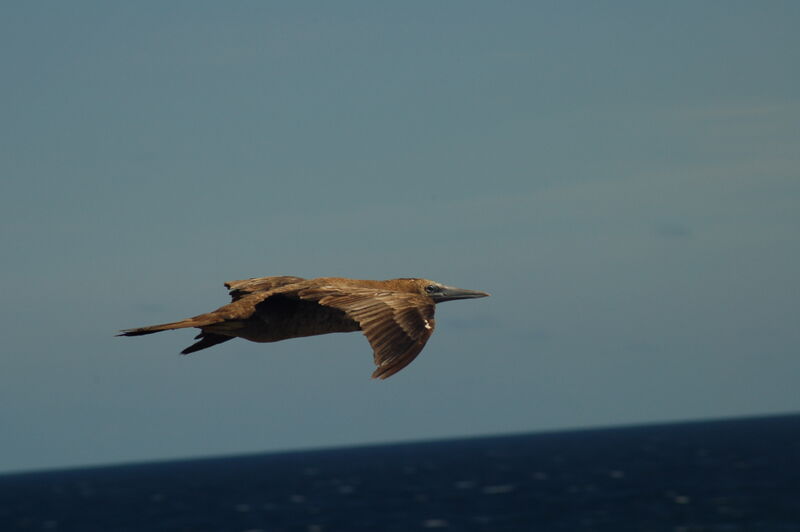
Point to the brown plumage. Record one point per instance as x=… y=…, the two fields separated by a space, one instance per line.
x=396 y=315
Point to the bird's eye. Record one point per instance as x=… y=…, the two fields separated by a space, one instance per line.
x=431 y=288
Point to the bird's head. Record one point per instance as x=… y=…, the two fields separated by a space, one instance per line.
x=440 y=292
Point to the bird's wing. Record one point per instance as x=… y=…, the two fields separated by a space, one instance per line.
x=239 y=289
x=396 y=324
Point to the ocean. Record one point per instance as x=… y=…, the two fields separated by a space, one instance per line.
x=728 y=475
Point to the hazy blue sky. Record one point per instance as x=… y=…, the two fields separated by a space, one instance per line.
x=623 y=177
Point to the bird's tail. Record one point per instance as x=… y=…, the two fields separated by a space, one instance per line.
x=197 y=321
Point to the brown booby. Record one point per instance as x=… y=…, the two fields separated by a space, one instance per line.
x=395 y=315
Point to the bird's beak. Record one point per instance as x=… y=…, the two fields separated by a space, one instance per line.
x=450 y=293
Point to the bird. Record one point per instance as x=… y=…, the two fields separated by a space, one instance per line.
x=396 y=315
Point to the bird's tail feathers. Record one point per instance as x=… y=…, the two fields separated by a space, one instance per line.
x=197 y=321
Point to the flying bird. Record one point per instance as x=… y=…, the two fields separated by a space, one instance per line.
x=395 y=315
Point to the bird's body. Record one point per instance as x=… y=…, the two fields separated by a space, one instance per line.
x=397 y=315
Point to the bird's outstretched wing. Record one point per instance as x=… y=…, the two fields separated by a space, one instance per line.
x=396 y=324
x=240 y=289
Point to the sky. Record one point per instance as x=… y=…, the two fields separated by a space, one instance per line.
x=623 y=177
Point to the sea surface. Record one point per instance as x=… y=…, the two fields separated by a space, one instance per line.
x=733 y=475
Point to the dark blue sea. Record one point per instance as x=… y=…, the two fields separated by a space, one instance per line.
x=734 y=475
